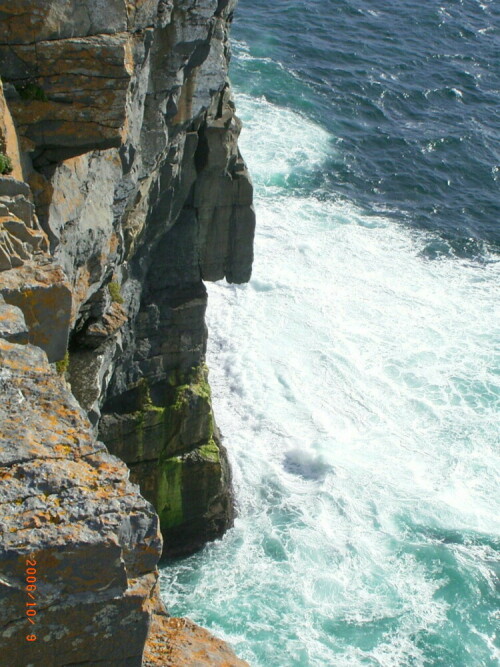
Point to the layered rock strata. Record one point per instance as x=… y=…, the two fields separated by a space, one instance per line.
x=126 y=190
x=125 y=111
x=79 y=545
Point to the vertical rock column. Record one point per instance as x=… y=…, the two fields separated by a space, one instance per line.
x=169 y=438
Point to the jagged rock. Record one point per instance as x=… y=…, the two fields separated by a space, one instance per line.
x=12 y=325
x=11 y=187
x=178 y=642
x=128 y=141
x=23 y=208
x=18 y=242
x=29 y=279
x=99 y=332
x=42 y=292
x=68 y=505
x=223 y=198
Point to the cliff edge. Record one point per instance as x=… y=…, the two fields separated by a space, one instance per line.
x=121 y=190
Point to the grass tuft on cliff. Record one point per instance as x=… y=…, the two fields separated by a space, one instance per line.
x=5 y=164
x=63 y=364
x=115 y=292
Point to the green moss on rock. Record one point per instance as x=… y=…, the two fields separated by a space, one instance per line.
x=178 y=461
x=200 y=384
x=115 y=292
x=210 y=451
x=169 y=502
x=181 y=398
x=62 y=364
x=189 y=487
x=197 y=384
x=149 y=419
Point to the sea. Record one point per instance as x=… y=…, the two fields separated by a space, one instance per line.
x=356 y=377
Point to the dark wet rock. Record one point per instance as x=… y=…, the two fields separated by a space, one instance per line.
x=306 y=465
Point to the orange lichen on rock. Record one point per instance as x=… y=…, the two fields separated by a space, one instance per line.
x=178 y=642
x=66 y=500
x=43 y=294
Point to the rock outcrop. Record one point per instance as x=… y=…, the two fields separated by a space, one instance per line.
x=178 y=642
x=79 y=545
x=123 y=190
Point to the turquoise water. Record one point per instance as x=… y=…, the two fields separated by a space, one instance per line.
x=356 y=380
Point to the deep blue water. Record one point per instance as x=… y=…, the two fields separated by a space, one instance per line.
x=356 y=377
x=410 y=92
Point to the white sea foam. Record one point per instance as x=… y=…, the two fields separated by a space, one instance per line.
x=279 y=141
x=357 y=386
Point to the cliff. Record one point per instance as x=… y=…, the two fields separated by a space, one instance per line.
x=122 y=191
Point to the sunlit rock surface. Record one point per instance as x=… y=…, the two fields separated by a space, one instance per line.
x=125 y=190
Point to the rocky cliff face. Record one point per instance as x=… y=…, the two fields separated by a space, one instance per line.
x=125 y=191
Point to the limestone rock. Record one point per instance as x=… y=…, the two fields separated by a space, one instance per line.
x=178 y=642
x=175 y=455
x=80 y=217
x=29 y=278
x=87 y=374
x=126 y=111
x=129 y=192
x=11 y=187
x=72 y=93
x=12 y=325
x=42 y=292
x=223 y=201
x=63 y=19
x=68 y=505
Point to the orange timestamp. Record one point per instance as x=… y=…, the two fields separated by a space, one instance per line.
x=31 y=588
